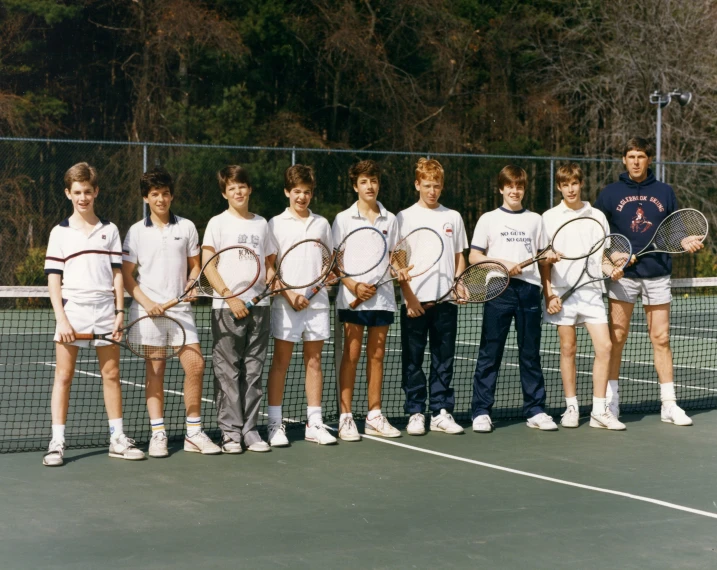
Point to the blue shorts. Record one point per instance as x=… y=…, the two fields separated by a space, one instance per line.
x=374 y=318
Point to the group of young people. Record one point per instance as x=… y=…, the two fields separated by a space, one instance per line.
x=161 y=258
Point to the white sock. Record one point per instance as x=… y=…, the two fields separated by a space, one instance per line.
x=157 y=426
x=572 y=401
x=373 y=414
x=599 y=405
x=612 y=394
x=116 y=428
x=194 y=425
x=58 y=432
x=313 y=413
x=275 y=416
x=346 y=415
x=667 y=392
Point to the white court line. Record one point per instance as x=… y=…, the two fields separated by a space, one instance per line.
x=548 y=479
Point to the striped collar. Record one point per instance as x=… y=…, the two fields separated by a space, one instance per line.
x=66 y=222
x=148 y=219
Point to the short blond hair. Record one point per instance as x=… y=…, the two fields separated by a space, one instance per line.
x=429 y=169
x=568 y=173
x=81 y=172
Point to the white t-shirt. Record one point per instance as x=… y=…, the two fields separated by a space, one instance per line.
x=285 y=230
x=226 y=230
x=350 y=220
x=513 y=236
x=85 y=261
x=566 y=273
x=161 y=257
x=438 y=280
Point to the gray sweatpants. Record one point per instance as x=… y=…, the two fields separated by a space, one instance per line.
x=238 y=354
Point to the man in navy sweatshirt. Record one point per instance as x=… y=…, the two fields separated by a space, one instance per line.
x=635 y=205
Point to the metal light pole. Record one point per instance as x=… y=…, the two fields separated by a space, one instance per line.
x=663 y=100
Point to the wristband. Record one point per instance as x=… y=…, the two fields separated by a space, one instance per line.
x=118 y=311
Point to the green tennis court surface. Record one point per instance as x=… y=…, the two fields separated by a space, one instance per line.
x=376 y=505
x=27 y=368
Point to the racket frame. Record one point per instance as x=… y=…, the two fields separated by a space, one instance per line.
x=652 y=248
x=541 y=254
x=125 y=337
x=502 y=268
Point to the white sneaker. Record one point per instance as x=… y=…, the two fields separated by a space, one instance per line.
x=319 y=433
x=570 y=417
x=259 y=446
x=445 y=423
x=606 y=421
x=543 y=422
x=614 y=407
x=348 y=430
x=158 y=445
x=201 y=443
x=123 y=447
x=416 y=425
x=381 y=427
x=55 y=454
x=231 y=446
x=482 y=424
x=671 y=413
x=277 y=435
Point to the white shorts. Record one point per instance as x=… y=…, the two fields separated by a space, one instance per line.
x=654 y=290
x=292 y=326
x=185 y=317
x=98 y=318
x=582 y=307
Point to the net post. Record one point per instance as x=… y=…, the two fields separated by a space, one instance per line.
x=338 y=355
x=144 y=169
x=551 y=190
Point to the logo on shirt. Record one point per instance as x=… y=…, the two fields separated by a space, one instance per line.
x=640 y=224
x=448 y=229
x=177 y=238
x=104 y=236
x=252 y=239
x=385 y=232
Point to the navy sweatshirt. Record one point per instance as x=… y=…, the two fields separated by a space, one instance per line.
x=636 y=210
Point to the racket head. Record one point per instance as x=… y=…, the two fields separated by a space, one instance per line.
x=482 y=282
x=422 y=248
x=578 y=238
x=361 y=250
x=615 y=253
x=304 y=263
x=155 y=337
x=687 y=222
x=229 y=273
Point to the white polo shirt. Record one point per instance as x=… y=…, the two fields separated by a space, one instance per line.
x=160 y=254
x=438 y=280
x=511 y=235
x=566 y=272
x=226 y=230
x=85 y=261
x=350 y=220
x=286 y=230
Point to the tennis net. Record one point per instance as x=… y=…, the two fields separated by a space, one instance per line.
x=27 y=366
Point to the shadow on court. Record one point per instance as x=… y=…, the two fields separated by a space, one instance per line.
x=378 y=505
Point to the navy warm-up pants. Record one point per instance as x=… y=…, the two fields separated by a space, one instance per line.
x=521 y=300
x=439 y=324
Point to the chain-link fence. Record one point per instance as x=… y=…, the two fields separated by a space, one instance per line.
x=32 y=200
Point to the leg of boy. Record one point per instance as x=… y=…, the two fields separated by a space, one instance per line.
x=568 y=349
x=66 y=356
x=228 y=340
x=252 y=358
x=314 y=375
x=414 y=337
x=601 y=416
x=497 y=317
x=528 y=325
x=154 y=393
x=280 y=361
x=620 y=315
x=353 y=339
x=375 y=352
x=195 y=440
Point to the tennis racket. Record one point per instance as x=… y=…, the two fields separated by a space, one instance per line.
x=304 y=263
x=616 y=254
x=361 y=251
x=228 y=273
x=575 y=239
x=478 y=283
x=152 y=337
x=674 y=229
x=419 y=250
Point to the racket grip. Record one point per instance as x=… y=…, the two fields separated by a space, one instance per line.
x=170 y=304
x=85 y=336
x=355 y=303
x=250 y=304
x=314 y=290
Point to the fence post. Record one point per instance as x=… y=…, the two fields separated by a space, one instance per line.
x=551 y=190
x=293 y=156
x=144 y=169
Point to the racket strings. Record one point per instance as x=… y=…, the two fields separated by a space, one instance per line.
x=304 y=264
x=230 y=272
x=675 y=228
x=482 y=282
x=155 y=337
x=421 y=248
x=361 y=251
x=578 y=238
x=616 y=253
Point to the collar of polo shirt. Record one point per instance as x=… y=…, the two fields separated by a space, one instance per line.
x=381 y=211
x=66 y=222
x=148 y=219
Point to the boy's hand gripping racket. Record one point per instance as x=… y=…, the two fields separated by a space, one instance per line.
x=478 y=283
